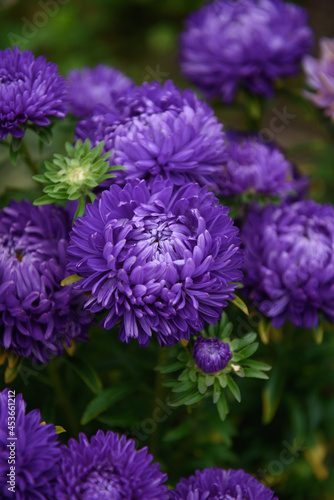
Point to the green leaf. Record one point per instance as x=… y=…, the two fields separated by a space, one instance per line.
x=193 y=374
x=103 y=402
x=183 y=386
x=216 y=391
x=13 y=156
x=44 y=200
x=238 y=344
x=184 y=375
x=222 y=406
x=264 y=330
x=12 y=372
x=234 y=388
x=71 y=279
x=226 y=332
x=45 y=135
x=12 y=359
x=272 y=394
x=169 y=383
x=209 y=380
x=40 y=178
x=247 y=339
x=87 y=373
x=249 y=372
x=189 y=398
x=257 y=365
x=246 y=352
x=202 y=387
x=240 y=304
x=173 y=367
x=59 y=429
x=16 y=144
x=222 y=378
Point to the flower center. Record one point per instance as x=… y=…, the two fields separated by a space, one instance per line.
x=104 y=484
x=73 y=174
x=77 y=176
x=164 y=228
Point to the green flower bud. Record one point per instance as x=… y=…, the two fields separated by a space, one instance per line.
x=74 y=176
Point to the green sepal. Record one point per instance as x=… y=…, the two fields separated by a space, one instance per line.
x=222 y=406
x=238 y=302
x=71 y=279
x=234 y=388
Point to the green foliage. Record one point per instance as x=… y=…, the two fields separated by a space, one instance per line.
x=192 y=385
x=74 y=176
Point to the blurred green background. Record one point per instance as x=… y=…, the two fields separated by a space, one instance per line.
x=140 y=37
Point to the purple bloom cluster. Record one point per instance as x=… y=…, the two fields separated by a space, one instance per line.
x=247 y=42
x=156 y=257
x=320 y=76
x=289 y=261
x=211 y=355
x=37 y=315
x=92 y=86
x=253 y=166
x=30 y=90
x=36 y=453
x=159 y=130
x=218 y=484
x=150 y=98
x=108 y=467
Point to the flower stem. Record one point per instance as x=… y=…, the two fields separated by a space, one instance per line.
x=28 y=159
x=158 y=395
x=63 y=398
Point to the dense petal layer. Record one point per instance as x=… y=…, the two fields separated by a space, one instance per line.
x=90 y=87
x=108 y=467
x=35 y=450
x=249 y=42
x=156 y=257
x=30 y=89
x=37 y=314
x=289 y=261
x=219 y=484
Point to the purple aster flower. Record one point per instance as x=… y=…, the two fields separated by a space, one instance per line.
x=162 y=131
x=30 y=90
x=220 y=45
x=150 y=98
x=211 y=355
x=92 y=86
x=37 y=315
x=37 y=451
x=253 y=166
x=289 y=262
x=188 y=147
x=108 y=467
x=218 y=484
x=320 y=76
x=157 y=257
